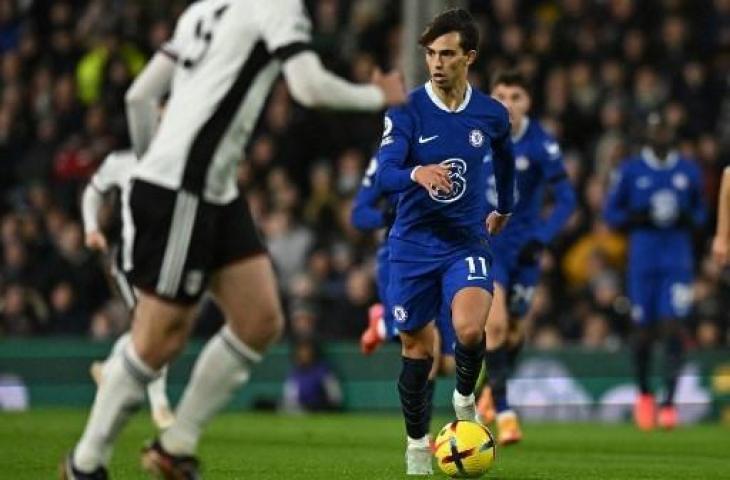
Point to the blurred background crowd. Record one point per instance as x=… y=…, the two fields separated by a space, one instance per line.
x=597 y=68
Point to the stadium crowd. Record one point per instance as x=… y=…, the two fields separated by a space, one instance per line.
x=597 y=69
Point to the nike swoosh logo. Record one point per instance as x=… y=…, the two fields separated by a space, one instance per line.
x=476 y=277
x=421 y=139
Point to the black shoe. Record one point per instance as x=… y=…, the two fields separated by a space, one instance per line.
x=67 y=471
x=157 y=461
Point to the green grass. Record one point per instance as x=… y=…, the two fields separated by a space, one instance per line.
x=264 y=446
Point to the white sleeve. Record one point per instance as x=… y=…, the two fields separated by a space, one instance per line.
x=313 y=86
x=143 y=100
x=173 y=48
x=284 y=25
x=91 y=202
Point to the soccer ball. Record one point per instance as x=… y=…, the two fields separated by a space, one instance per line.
x=465 y=449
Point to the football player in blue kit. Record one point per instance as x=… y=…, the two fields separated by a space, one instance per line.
x=539 y=166
x=657 y=197
x=432 y=154
x=373 y=210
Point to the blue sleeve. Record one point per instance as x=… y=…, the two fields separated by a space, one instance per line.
x=565 y=200
x=395 y=174
x=365 y=213
x=697 y=201
x=616 y=209
x=504 y=165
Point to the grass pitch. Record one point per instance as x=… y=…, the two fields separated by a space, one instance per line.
x=266 y=446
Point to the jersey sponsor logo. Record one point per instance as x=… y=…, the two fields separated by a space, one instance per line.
x=476 y=138
x=400 y=314
x=680 y=181
x=664 y=207
x=457 y=169
x=522 y=163
x=422 y=139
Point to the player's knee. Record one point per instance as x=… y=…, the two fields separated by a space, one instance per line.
x=261 y=329
x=156 y=354
x=470 y=335
x=496 y=331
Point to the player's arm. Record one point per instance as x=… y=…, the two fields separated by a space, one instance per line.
x=395 y=174
x=313 y=86
x=365 y=212
x=698 y=208
x=285 y=28
x=722 y=233
x=615 y=210
x=144 y=97
x=91 y=201
x=503 y=162
x=563 y=193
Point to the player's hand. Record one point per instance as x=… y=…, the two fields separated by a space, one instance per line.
x=720 y=250
x=392 y=85
x=96 y=241
x=496 y=222
x=434 y=178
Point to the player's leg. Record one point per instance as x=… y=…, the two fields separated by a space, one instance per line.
x=246 y=293
x=493 y=398
x=380 y=319
x=468 y=284
x=161 y=325
x=675 y=307
x=159 y=332
x=413 y=389
x=160 y=410
x=643 y=297
x=244 y=287
x=414 y=295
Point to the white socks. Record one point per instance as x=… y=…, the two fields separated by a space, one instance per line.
x=222 y=367
x=157 y=389
x=118 y=396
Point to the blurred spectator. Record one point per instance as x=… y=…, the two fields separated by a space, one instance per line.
x=311 y=385
x=597 y=68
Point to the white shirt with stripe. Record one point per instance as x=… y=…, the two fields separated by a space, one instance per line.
x=225 y=68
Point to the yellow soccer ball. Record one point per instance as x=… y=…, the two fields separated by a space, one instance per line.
x=465 y=449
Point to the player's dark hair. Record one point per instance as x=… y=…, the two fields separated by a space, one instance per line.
x=510 y=78
x=454 y=20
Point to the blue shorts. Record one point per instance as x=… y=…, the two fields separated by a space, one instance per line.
x=517 y=278
x=657 y=296
x=382 y=278
x=418 y=289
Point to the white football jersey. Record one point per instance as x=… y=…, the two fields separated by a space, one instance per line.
x=115 y=171
x=228 y=54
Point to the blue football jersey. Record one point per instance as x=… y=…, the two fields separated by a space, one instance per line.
x=372 y=208
x=658 y=203
x=425 y=132
x=538 y=164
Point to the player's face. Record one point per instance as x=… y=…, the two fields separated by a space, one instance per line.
x=448 y=64
x=515 y=99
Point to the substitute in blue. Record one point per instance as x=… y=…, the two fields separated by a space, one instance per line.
x=539 y=167
x=432 y=154
x=656 y=197
x=372 y=210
